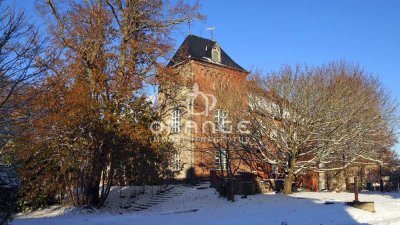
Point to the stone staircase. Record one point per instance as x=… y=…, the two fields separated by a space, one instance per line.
x=144 y=204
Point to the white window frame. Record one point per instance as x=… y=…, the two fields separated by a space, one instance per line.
x=216 y=54
x=176 y=163
x=220 y=119
x=243 y=139
x=176 y=121
x=220 y=160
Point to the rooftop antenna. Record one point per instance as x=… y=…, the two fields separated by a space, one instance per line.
x=211 y=29
x=190 y=31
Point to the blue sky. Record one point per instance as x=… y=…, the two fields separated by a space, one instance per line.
x=261 y=34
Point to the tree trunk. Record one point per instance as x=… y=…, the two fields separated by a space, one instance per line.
x=230 y=185
x=230 y=191
x=289 y=176
x=327 y=184
x=355 y=189
x=347 y=183
x=288 y=183
x=106 y=185
x=93 y=185
x=92 y=193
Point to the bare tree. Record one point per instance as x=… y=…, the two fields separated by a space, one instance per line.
x=226 y=135
x=320 y=119
x=20 y=46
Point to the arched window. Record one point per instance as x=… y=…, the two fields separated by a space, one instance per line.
x=216 y=54
x=176 y=121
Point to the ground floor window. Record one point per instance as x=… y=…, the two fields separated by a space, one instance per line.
x=176 y=164
x=220 y=160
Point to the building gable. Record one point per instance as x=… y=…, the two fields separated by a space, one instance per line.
x=194 y=47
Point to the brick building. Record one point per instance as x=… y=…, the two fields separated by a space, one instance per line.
x=202 y=68
x=192 y=99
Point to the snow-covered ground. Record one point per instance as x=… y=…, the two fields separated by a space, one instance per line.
x=201 y=205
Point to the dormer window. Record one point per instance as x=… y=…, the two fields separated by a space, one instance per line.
x=216 y=54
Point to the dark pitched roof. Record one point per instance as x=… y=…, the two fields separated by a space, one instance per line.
x=200 y=48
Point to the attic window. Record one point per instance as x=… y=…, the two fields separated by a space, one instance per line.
x=216 y=54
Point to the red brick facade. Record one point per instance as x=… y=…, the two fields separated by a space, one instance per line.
x=213 y=78
x=210 y=78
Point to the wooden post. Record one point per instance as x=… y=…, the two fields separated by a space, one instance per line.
x=380 y=180
x=355 y=189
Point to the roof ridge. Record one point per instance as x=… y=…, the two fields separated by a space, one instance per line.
x=201 y=38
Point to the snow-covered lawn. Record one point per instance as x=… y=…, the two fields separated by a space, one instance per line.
x=195 y=206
